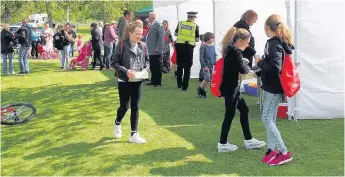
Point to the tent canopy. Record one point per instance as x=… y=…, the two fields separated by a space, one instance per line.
x=144 y=12
x=162 y=3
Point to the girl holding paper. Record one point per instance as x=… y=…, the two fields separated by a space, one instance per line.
x=131 y=61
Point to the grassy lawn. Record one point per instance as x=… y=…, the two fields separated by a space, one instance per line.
x=72 y=133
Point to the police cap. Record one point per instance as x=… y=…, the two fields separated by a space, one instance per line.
x=192 y=14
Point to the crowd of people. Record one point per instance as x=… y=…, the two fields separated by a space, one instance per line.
x=139 y=53
x=134 y=48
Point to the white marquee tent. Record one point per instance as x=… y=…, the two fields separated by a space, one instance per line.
x=318 y=28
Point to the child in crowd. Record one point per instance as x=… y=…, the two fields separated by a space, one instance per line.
x=207 y=61
x=79 y=42
x=201 y=75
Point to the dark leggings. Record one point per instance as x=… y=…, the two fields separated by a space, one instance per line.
x=233 y=101
x=97 y=55
x=34 y=49
x=156 y=69
x=129 y=91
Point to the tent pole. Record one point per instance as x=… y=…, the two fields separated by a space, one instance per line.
x=214 y=22
x=294 y=98
x=178 y=19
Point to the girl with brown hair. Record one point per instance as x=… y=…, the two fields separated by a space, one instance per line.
x=279 y=44
x=234 y=42
x=130 y=58
x=247 y=20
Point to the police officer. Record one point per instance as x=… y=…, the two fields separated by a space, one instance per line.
x=187 y=33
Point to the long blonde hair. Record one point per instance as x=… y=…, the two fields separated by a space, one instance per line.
x=232 y=36
x=276 y=25
x=130 y=27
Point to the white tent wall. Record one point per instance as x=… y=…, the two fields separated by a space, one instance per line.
x=204 y=21
x=319 y=46
x=320 y=53
x=229 y=12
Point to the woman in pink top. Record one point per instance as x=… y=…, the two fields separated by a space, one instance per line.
x=48 y=37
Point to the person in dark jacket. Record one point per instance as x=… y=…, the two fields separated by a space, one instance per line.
x=7 y=48
x=96 y=46
x=131 y=61
x=279 y=45
x=24 y=36
x=58 y=43
x=74 y=35
x=67 y=38
x=168 y=39
x=234 y=42
x=247 y=20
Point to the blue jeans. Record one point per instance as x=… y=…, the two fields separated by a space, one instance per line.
x=4 y=62
x=65 y=56
x=269 y=115
x=23 y=59
x=72 y=49
x=108 y=51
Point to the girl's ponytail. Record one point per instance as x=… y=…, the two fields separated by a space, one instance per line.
x=283 y=32
x=228 y=39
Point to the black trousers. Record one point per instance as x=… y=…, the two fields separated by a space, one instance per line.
x=185 y=72
x=233 y=101
x=156 y=69
x=166 y=61
x=129 y=91
x=184 y=53
x=97 y=56
x=34 y=49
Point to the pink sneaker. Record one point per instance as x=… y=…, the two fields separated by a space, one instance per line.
x=269 y=156
x=281 y=159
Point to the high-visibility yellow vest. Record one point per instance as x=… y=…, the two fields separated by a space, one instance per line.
x=186 y=32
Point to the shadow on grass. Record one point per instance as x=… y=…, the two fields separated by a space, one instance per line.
x=196 y=120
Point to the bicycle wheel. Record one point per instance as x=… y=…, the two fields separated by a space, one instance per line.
x=17 y=113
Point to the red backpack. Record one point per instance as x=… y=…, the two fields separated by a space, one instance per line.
x=289 y=77
x=217 y=77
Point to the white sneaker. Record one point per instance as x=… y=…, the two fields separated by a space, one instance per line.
x=117 y=131
x=227 y=147
x=136 y=138
x=254 y=144
x=13 y=72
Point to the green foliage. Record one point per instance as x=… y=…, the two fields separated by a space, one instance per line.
x=80 y=11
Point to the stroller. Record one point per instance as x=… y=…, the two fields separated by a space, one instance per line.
x=83 y=58
x=46 y=53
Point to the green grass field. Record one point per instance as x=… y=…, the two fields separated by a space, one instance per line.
x=72 y=133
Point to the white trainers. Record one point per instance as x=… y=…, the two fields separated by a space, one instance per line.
x=137 y=139
x=13 y=72
x=117 y=131
x=227 y=147
x=254 y=144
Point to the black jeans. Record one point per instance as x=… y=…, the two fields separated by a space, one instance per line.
x=185 y=72
x=34 y=49
x=166 y=61
x=156 y=69
x=233 y=101
x=97 y=55
x=129 y=91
